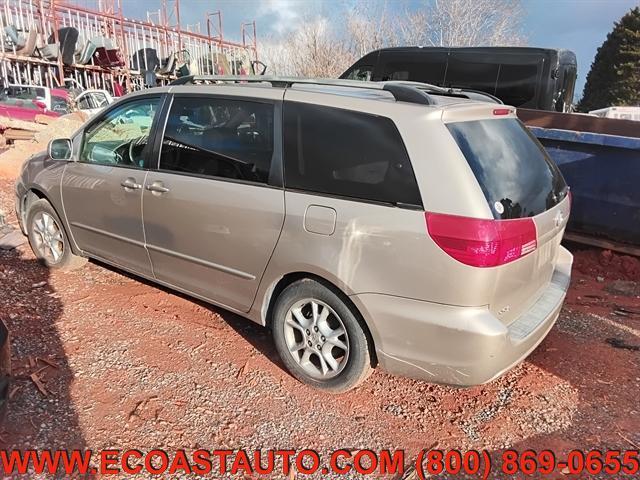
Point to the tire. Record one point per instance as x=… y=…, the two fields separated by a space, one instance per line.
x=48 y=239
x=307 y=346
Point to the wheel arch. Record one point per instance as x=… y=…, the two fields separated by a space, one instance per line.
x=33 y=194
x=292 y=277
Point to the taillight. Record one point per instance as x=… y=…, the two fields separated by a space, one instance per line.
x=482 y=243
x=501 y=111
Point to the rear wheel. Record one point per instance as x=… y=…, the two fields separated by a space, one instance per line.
x=48 y=239
x=319 y=338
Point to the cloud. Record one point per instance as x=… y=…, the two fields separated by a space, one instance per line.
x=280 y=15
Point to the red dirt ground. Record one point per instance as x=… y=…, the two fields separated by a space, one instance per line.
x=138 y=366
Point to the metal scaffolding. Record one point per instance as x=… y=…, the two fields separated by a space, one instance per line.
x=110 y=50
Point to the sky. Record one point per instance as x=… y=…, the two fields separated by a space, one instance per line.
x=577 y=25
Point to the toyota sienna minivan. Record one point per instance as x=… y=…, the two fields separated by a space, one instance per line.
x=393 y=224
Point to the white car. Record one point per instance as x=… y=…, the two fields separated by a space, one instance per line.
x=93 y=101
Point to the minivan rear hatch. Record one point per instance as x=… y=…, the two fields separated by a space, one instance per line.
x=527 y=196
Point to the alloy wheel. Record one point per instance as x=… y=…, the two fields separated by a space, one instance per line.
x=316 y=338
x=48 y=237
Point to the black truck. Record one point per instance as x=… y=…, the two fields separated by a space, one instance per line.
x=536 y=78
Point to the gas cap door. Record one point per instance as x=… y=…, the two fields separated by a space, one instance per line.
x=319 y=219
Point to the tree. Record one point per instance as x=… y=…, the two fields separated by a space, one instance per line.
x=371 y=26
x=311 y=50
x=465 y=23
x=318 y=47
x=614 y=78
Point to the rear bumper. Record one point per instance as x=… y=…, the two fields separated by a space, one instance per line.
x=459 y=345
x=5 y=367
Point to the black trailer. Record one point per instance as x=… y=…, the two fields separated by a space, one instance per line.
x=537 y=78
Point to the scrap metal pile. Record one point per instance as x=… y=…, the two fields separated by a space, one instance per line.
x=71 y=46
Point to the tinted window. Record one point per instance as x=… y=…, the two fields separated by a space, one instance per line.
x=219 y=138
x=464 y=70
x=415 y=67
x=345 y=153
x=516 y=175
x=120 y=136
x=517 y=84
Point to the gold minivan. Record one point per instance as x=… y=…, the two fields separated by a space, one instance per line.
x=393 y=224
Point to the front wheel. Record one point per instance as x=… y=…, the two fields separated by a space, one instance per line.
x=319 y=338
x=48 y=239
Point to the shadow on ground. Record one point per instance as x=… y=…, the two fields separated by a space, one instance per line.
x=41 y=410
x=256 y=335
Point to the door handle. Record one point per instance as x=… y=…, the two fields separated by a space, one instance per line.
x=130 y=184
x=157 y=187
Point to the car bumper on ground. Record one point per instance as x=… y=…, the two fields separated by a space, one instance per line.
x=459 y=345
x=5 y=367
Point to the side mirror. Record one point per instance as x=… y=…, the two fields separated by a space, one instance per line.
x=60 y=149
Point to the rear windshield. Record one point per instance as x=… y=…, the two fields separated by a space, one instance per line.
x=515 y=173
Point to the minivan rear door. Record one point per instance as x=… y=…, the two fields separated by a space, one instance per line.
x=519 y=181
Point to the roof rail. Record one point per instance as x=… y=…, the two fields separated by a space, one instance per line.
x=402 y=91
x=462 y=92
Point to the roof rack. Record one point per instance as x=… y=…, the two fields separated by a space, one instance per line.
x=402 y=91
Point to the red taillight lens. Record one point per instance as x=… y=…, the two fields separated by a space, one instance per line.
x=501 y=111
x=482 y=243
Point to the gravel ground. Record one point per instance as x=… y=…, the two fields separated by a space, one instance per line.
x=126 y=364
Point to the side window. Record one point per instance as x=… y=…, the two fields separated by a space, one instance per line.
x=121 y=136
x=417 y=67
x=83 y=103
x=346 y=153
x=517 y=84
x=219 y=138
x=99 y=100
x=361 y=72
x=472 y=71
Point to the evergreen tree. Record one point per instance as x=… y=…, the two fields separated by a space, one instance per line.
x=614 y=78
